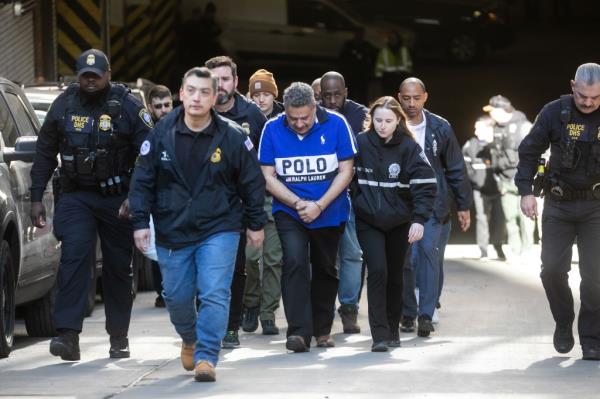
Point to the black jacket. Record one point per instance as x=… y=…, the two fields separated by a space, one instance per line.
x=393 y=184
x=445 y=156
x=277 y=109
x=549 y=130
x=246 y=111
x=355 y=114
x=229 y=187
x=131 y=127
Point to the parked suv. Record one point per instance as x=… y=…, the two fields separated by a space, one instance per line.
x=29 y=256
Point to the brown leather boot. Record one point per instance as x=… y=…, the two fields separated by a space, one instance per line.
x=187 y=356
x=205 y=372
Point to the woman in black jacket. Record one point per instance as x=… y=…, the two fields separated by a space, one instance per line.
x=393 y=194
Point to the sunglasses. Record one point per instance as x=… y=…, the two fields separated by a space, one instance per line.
x=160 y=105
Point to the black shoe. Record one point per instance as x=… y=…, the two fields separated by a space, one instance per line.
x=591 y=352
x=408 y=324
x=349 y=316
x=250 y=319
x=563 y=338
x=394 y=343
x=231 y=340
x=380 y=346
x=296 y=343
x=66 y=345
x=159 y=302
x=425 y=326
x=500 y=252
x=119 y=347
x=269 y=327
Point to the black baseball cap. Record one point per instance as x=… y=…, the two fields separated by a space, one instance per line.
x=92 y=60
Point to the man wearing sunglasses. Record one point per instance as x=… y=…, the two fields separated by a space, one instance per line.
x=160 y=102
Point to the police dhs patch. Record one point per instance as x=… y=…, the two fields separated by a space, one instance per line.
x=104 y=123
x=146 y=118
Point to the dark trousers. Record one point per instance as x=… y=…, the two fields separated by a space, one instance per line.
x=490 y=226
x=157 y=278
x=384 y=252
x=309 y=280
x=79 y=217
x=237 y=286
x=562 y=223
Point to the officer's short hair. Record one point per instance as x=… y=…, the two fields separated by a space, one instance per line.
x=201 y=72
x=298 y=94
x=220 y=61
x=588 y=73
x=159 y=91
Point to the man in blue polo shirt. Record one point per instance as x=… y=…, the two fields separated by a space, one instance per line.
x=307 y=158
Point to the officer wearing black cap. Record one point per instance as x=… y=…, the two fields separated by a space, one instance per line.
x=97 y=127
x=571 y=127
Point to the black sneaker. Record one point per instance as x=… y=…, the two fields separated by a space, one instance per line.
x=231 y=340
x=425 y=326
x=66 y=345
x=407 y=324
x=380 y=346
x=394 y=341
x=590 y=352
x=119 y=347
x=159 y=302
x=563 y=338
x=269 y=327
x=250 y=319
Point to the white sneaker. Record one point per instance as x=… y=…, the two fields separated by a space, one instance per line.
x=436 y=317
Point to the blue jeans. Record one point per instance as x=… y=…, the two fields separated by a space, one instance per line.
x=424 y=265
x=350 y=258
x=204 y=269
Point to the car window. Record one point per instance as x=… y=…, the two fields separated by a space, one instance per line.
x=23 y=122
x=7 y=125
x=315 y=14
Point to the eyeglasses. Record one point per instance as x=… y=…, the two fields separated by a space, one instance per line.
x=160 y=105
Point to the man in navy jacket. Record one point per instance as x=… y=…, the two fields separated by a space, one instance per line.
x=435 y=135
x=198 y=175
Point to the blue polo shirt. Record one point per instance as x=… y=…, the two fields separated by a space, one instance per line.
x=307 y=164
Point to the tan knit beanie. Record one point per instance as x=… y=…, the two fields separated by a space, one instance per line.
x=262 y=80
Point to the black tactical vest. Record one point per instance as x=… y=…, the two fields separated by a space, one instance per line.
x=579 y=145
x=94 y=144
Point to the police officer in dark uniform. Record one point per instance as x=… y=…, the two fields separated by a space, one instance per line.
x=97 y=128
x=571 y=127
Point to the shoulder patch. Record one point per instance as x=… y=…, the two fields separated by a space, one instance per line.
x=145 y=148
x=146 y=118
x=248 y=144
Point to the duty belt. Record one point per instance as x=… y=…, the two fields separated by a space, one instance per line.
x=560 y=191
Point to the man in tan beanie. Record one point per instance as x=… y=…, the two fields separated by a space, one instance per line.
x=263 y=90
x=262 y=299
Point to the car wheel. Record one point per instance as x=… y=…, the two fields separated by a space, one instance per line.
x=7 y=300
x=144 y=267
x=463 y=48
x=38 y=315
